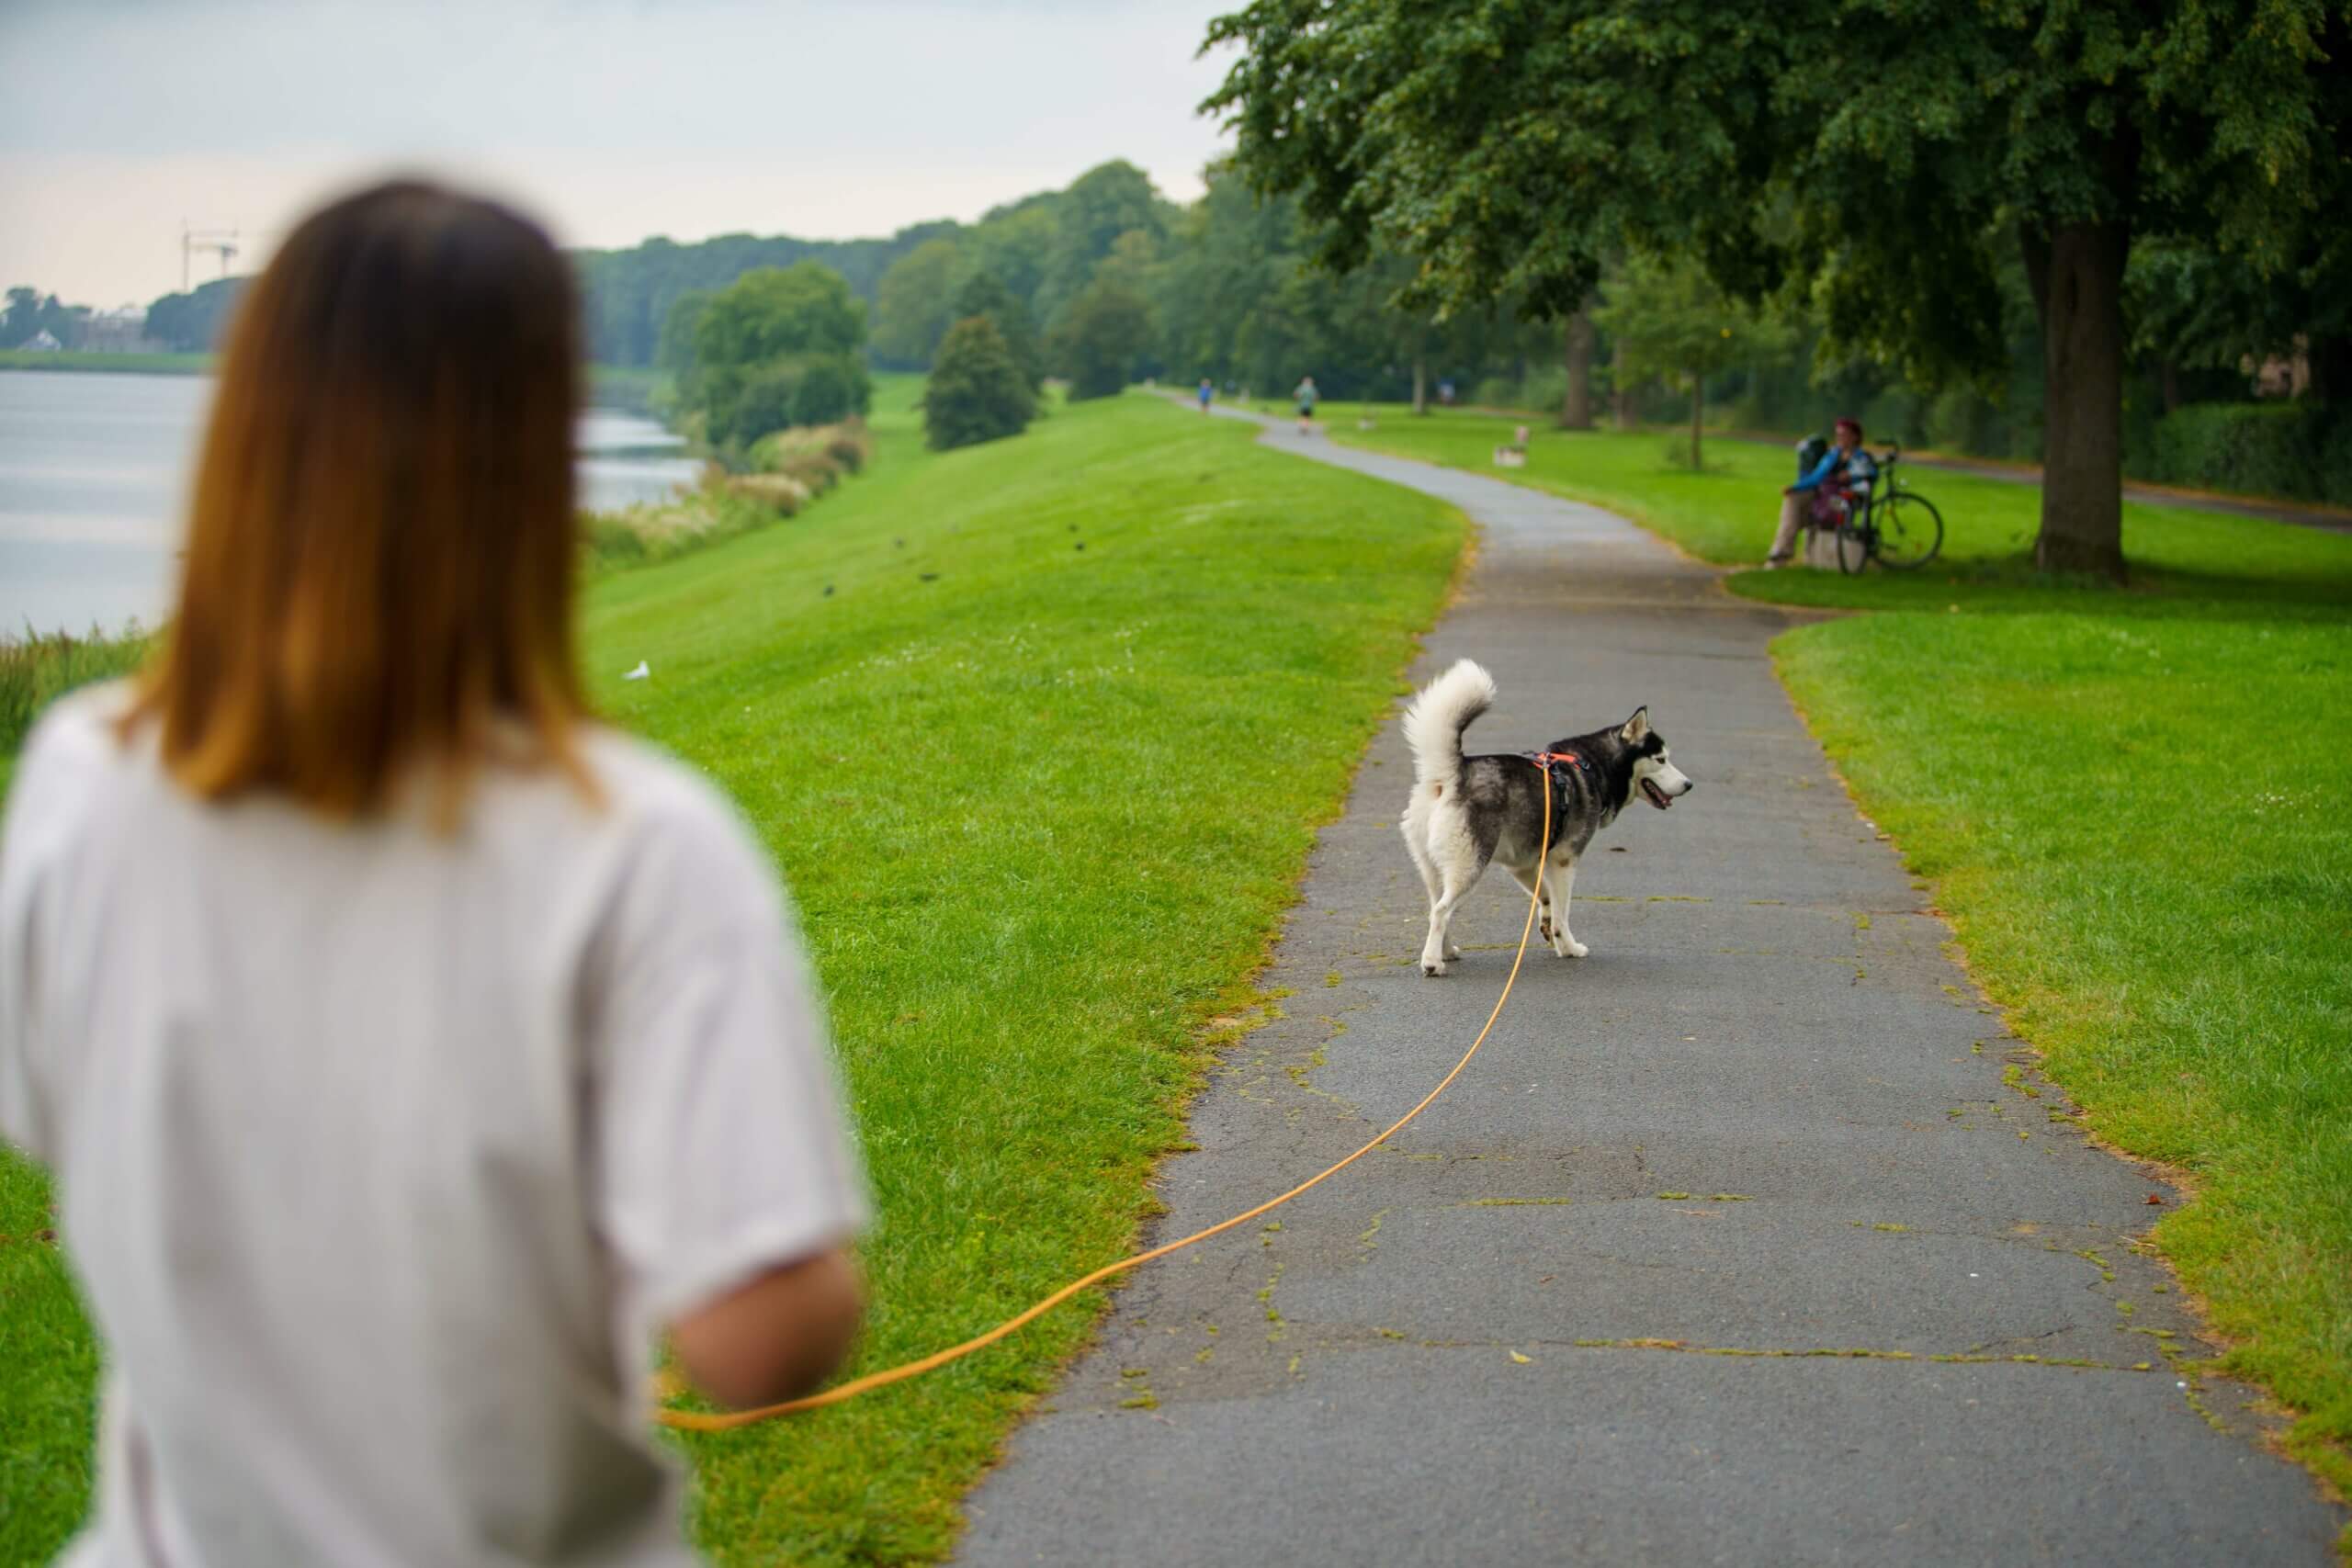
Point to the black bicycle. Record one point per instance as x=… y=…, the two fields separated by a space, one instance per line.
x=1899 y=528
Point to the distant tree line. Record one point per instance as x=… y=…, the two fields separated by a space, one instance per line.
x=195 y=322
x=628 y=295
x=29 y=312
x=1919 y=296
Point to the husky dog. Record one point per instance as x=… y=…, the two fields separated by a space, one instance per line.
x=1467 y=811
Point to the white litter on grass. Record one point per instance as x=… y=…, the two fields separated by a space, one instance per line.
x=642 y=672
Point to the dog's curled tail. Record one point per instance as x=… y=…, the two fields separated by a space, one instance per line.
x=1434 y=723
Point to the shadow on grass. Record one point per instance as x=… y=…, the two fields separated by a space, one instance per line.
x=2015 y=587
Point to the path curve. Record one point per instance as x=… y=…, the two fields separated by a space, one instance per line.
x=1765 y=1119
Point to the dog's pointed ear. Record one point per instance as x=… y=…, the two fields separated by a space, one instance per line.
x=1636 y=729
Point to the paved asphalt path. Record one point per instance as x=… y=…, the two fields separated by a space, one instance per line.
x=1488 y=1344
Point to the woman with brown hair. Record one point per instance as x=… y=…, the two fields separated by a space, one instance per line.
x=411 y=1051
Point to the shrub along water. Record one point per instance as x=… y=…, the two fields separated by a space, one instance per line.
x=789 y=469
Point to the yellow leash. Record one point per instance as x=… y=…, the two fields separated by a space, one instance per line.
x=721 y=1421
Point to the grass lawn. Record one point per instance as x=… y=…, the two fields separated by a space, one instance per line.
x=2131 y=802
x=2136 y=827
x=80 y=359
x=1038 y=733
x=1726 y=516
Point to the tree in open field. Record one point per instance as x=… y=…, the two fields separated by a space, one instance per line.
x=1672 y=321
x=762 y=338
x=1102 y=334
x=978 y=390
x=1883 y=150
x=803 y=309
x=914 y=305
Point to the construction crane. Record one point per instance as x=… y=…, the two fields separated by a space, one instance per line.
x=222 y=242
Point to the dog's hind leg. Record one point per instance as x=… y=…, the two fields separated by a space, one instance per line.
x=1416 y=828
x=1458 y=865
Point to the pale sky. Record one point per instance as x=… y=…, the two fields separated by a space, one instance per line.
x=609 y=119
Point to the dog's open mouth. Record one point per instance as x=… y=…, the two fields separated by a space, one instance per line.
x=1658 y=797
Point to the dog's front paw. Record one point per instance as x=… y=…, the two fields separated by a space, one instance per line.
x=1452 y=950
x=1572 y=948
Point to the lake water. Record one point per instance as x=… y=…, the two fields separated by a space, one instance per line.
x=94 y=470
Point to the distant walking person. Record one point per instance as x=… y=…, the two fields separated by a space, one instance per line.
x=411 y=1050
x=1304 y=396
x=1207 y=392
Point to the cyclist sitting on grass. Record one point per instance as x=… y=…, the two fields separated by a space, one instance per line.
x=1827 y=494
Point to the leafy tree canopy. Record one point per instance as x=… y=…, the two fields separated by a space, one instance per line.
x=777 y=347
x=678 y=328
x=915 y=304
x=977 y=391
x=1674 y=322
x=984 y=294
x=1088 y=218
x=1102 y=334
x=1880 y=148
x=803 y=309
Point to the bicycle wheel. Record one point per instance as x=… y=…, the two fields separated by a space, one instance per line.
x=1910 y=531
x=1853 y=544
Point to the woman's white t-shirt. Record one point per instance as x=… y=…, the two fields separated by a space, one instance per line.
x=383 y=1154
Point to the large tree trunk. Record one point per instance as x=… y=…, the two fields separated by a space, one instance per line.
x=2331 y=363
x=1576 y=408
x=1620 y=390
x=1697 y=412
x=1421 y=378
x=2076 y=272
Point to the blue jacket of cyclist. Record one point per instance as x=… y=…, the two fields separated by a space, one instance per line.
x=1844 y=461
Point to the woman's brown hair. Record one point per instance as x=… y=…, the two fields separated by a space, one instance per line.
x=381 y=545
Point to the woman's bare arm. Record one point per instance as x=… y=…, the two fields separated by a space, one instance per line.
x=776 y=1338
